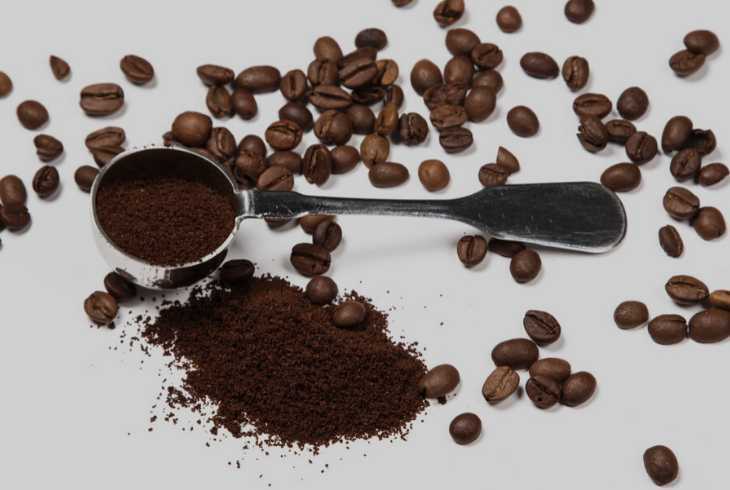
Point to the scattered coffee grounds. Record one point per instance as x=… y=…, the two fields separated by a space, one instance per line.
x=164 y=219
x=273 y=366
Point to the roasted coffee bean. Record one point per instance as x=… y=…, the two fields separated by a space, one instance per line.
x=448 y=12
x=119 y=287
x=293 y=85
x=630 y=314
x=448 y=116
x=471 y=250
x=424 y=75
x=322 y=73
x=712 y=174
x=480 y=103
x=552 y=368
x=259 y=79
x=16 y=219
x=276 y=178
x=668 y=329
x=525 y=266
x=488 y=78
x=362 y=118
x=321 y=290
x=539 y=65
x=283 y=135
x=671 y=241
x=544 y=392
x=85 y=176
x=661 y=465
x=710 y=326
x=709 y=223
x=633 y=103
x=718 y=299
x=509 y=19
x=686 y=290
x=456 y=140
x=702 y=42
x=465 y=428
x=387 y=121
x=101 y=308
x=47 y=147
x=676 y=133
x=219 y=102
x=412 y=129
x=576 y=72
x=333 y=128
x=247 y=168
x=579 y=11
x=523 y=121
x=253 y=144
x=507 y=160
x=317 y=164
x=374 y=149
x=702 y=140
x=459 y=70
x=439 y=381
x=515 y=353
x=500 y=384
x=328 y=234
x=368 y=95
x=685 y=164
x=138 y=70
x=592 y=134
x=358 y=73
x=106 y=143
x=597 y=105
x=541 y=327
x=327 y=49
x=641 y=147
x=310 y=222
x=192 y=129
x=620 y=130
x=244 y=104
x=215 y=75
x=101 y=99
x=298 y=113
x=235 y=272
x=365 y=53
x=578 y=389
x=45 y=181
x=434 y=175
x=388 y=174
x=330 y=97
x=448 y=94
x=32 y=114
x=388 y=72
x=487 y=56
x=394 y=94
x=290 y=160
x=621 y=177
x=309 y=259
x=6 y=84
x=349 y=314
x=344 y=159
x=59 y=67
x=461 y=41
x=684 y=63
x=371 y=38
x=505 y=248
x=493 y=175
x=681 y=203
x=13 y=195
x=402 y=3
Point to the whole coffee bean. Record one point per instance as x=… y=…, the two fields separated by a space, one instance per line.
x=668 y=329
x=684 y=63
x=219 y=102
x=358 y=73
x=192 y=129
x=702 y=140
x=490 y=79
x=101 y=99
x=539 y=65
x=620 y=130
x=592 y=134
x=676 y=133
x=297 y=113
x=321 y=290
x=59 y=67
x=248 y=167
x=119 y=287
x=32 y=114
x=349 y=314
x=579 y=11
x=283 y=135
x=309 y=259
x=712 y=174
x=507 y=160
x=719 y=299
x=541 y=327
x=702 y=42
x=259 y=79
x=101 y=308
x=330 y=97
x=253 y=144
x=368 y=95
x=276 y=178
x=394 y=94
x=551 y=367
x=412 y=129
x=459 y=70
x=509 y=19
x=333 y=128
x=387 y=121
x=578 y=389
x=137 y=69
x=290 y=160
x=424 y=75
x=448 y=116
x=633 y=103
x=293 y=85
x=525 y=266
x=480 y=103
x=323 y=73
x=327 y=49
x=671 y=241
x=686 y=290
x=317 y=164
x=85 y=176
x=447 y=94
x=505 y=248
x=344 y=159
x=236 y=272
x=434 y=175
x=243 y=103
x=515 y=353
x=630 y=314
x=45 y=181
x=448 y=12
x=542 y=391
x=709 y=223
x=685 y=164
x=710 y=326
x=621 y=177
x=47 y=147
x=388 y=72
x=310 y=222
x=362 y=118
x=576 y=72
x=374 y=149
x=215 y=75
x=359 y=53
x=597 y=105
x=16 y=219
x=461 y=41
x=523 y=121
x=493 y=175
x=500 y=384
x=371 y=38
x=641 y=147
x=661 y=465
x=106 y=140
x=402 y=3
x=465 y=428
x=6 y=84
x=471 y=250
x=328 y=234
x=439 y=381
x=221 y=144
x=680 y=203
x=13 y=195
x=487 y=56
x=456 y=140
x=388 y=174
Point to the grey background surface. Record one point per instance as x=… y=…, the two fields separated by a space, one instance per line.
x=75 y=410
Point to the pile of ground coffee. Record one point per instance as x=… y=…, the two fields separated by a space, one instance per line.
x=270 y=364
x=164 y=219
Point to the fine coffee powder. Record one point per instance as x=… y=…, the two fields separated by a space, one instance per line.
x=272 y=365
